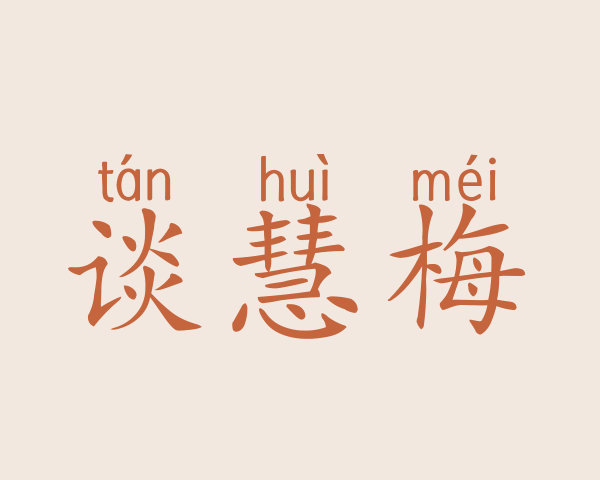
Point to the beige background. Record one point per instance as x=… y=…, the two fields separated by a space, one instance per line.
x=381 y=88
